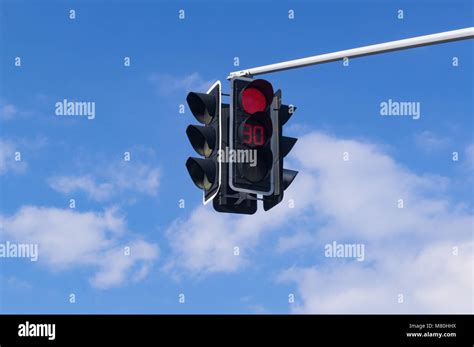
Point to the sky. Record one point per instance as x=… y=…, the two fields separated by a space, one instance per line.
x=126 y=246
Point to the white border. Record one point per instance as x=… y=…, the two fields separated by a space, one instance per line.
x=219 y=110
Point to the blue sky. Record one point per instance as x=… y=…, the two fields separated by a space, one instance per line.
x=190 y=250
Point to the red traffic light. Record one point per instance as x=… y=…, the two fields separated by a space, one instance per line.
x=256 y=97
x=253 y=101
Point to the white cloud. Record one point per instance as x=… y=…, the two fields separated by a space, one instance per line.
x=18 y=284
x=469 y=151
x=297 y=129
x=347 y=201
x=8 y=111
x=71 y=184
x=204 y=243
x=168 y=84
x=68 y=239
x=124 y=177
x=135 y=176
x=409 y=250
x=116 y=267
x=8 y=148
x=430 y=142
x=432 y=281
x=298 y=240
x=359 y=197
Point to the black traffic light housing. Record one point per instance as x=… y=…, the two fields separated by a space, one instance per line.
x=228 y=200
x=206 y=172
x=251 y=135
x=250 y=127
x=283 y=145
x=210 y=173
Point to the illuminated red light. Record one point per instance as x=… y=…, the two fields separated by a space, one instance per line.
x=253 y=100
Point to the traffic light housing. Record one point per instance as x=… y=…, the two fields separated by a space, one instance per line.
x=210 y=140
x=242 y=146
x=206 y=140
x=228 y=200
x=251 y=136
x=283 y=145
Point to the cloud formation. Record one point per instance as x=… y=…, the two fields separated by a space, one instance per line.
x=432 y=281
x=8 y=111
x=115 y=179
x=204 y=243
x=167 y=84
x=430 y=142
x=348 y=191
x=8 y=148
x=68 y=239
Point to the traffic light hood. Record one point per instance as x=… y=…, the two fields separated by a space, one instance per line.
x=203 y=106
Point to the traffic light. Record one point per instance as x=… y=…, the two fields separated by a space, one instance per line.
x=282 y=146
x=228 y=200
x=251 y=136
x=242 y=146
x=256 y=124
x=206 y=140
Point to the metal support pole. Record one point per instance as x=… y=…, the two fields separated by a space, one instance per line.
x=461 y=34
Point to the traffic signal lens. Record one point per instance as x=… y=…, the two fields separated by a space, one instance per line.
x=256 y=130
x=257 y=171
x=253 y=100
x=203 y=139
x=202 y=172
x=254 y=134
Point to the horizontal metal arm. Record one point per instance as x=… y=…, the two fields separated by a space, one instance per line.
x=432 y=39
